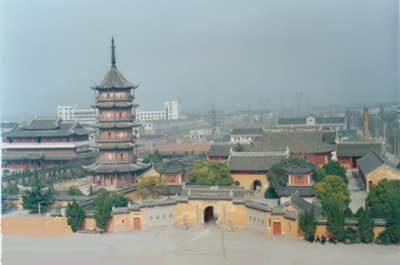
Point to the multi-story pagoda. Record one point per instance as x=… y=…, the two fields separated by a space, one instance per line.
x=116 y=164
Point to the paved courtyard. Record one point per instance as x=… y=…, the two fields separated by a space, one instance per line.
x=174 y=245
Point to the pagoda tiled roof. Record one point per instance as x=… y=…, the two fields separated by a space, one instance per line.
x=109 y=146
x=114 y=104
x=114 y=79
x=117 y=167
x=48 y=128
x=116 y=125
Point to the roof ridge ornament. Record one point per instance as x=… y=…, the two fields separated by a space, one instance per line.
x=113 y=60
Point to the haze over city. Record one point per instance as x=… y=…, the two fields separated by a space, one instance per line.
x=334 y=52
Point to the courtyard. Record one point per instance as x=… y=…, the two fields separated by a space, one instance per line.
x=197 y=245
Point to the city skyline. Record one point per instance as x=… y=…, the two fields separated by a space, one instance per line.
x=262 y=54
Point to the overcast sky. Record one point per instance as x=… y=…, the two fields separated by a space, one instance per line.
x=232 y=54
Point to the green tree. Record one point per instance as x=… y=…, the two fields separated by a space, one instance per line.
x=149 y=187
x=308 y=224
x=334 y=168
x=239 y=148
x=270 y=193
x=11 y=189
x=36 y=196
x=333 y=209
x=102 y=209
x=319 y=174
x=155 y=158
x=210 y=174
x=75 y=215
x=366 y=225
x=332 y=188
x=118 y=200
x=74 y=191
x=384 y=202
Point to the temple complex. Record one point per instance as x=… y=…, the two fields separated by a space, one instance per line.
x=116 y=165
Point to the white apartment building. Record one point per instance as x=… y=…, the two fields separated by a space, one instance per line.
x=172 y=110
x=73 y=113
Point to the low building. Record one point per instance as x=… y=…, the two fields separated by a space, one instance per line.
x=174 y=172
x=219 y=151
x=157 y=115
x=45 y=143
x=249 y=169
x=73 y=113
x=373 y=167
x=180 y=149
x=323 y=122
x=245 y=135
x=347 y=153
x=204 y=135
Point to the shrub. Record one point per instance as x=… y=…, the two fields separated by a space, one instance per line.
x=351 y=235
x=11 y=189
x=74 y=191
x=366 y=226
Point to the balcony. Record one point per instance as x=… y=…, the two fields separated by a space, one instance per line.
x=111 y=98
x=44 y=145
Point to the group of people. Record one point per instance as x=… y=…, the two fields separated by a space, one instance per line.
x=323 y=239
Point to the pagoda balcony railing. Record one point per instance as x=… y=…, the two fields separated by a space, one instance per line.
x=111 y=119
x=115 y=140
x=44 y=145
x=100 y=98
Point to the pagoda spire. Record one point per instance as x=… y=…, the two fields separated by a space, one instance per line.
x=113 y=61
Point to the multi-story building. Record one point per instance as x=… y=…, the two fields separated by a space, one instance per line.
x=116 y=165
x=172 y=110
x=151 y=115
x=73 y=113
x=337 y=122
x=45 y=143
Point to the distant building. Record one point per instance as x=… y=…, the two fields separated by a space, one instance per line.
x=172 y=110
x=245 y=135
x=45 y=143
x=325 y=122
x=201 y=135
x=73 y=113
x=151 y=115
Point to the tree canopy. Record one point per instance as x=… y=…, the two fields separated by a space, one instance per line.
x=210 y=174
x=37 y=196
x=74 y=191
x=308 y=224
x=334 y=168
x=155 y=157
x=75 y=216
x=332 y=188
x=149 y=187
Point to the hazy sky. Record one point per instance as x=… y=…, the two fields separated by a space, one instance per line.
x=228 y=53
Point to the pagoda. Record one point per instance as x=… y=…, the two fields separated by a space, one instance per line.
x=116 y=165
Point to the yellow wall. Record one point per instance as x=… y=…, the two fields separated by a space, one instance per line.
x=89 y=223
x=383 y=172
x=246 y=180
x=228 y=213
x=35 y=226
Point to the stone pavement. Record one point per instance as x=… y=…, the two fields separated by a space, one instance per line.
x=358 y=194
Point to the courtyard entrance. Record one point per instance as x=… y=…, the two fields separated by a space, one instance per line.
x=257 y=185
x=209 y=215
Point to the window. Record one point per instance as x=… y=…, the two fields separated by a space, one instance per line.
x=109 y=134
x=122 y=156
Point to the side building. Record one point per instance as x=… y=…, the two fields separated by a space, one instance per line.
x=45 y=143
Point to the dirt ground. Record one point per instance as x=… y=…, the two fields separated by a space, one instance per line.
x=197 y=245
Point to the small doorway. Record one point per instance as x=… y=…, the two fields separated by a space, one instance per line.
x=257 y=185
x=209 y=215
x=276 y=228
x=136 y=223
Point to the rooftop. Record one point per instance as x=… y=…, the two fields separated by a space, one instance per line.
x=372 y=161
x=358 y=148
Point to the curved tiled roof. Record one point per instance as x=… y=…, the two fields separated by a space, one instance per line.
x=114 y=79
x=117 y=168
x=360 y=148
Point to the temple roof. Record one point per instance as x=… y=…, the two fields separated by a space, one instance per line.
x=359 y=148
x=114 y=78
x=220 y=149
x=253 y=161
x=247 y=131
x=372 y=161
x=305 y=142
x=177 y=166
x=48 y=128
x=49 y=156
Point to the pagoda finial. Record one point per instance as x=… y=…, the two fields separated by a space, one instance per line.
x=113 y=61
